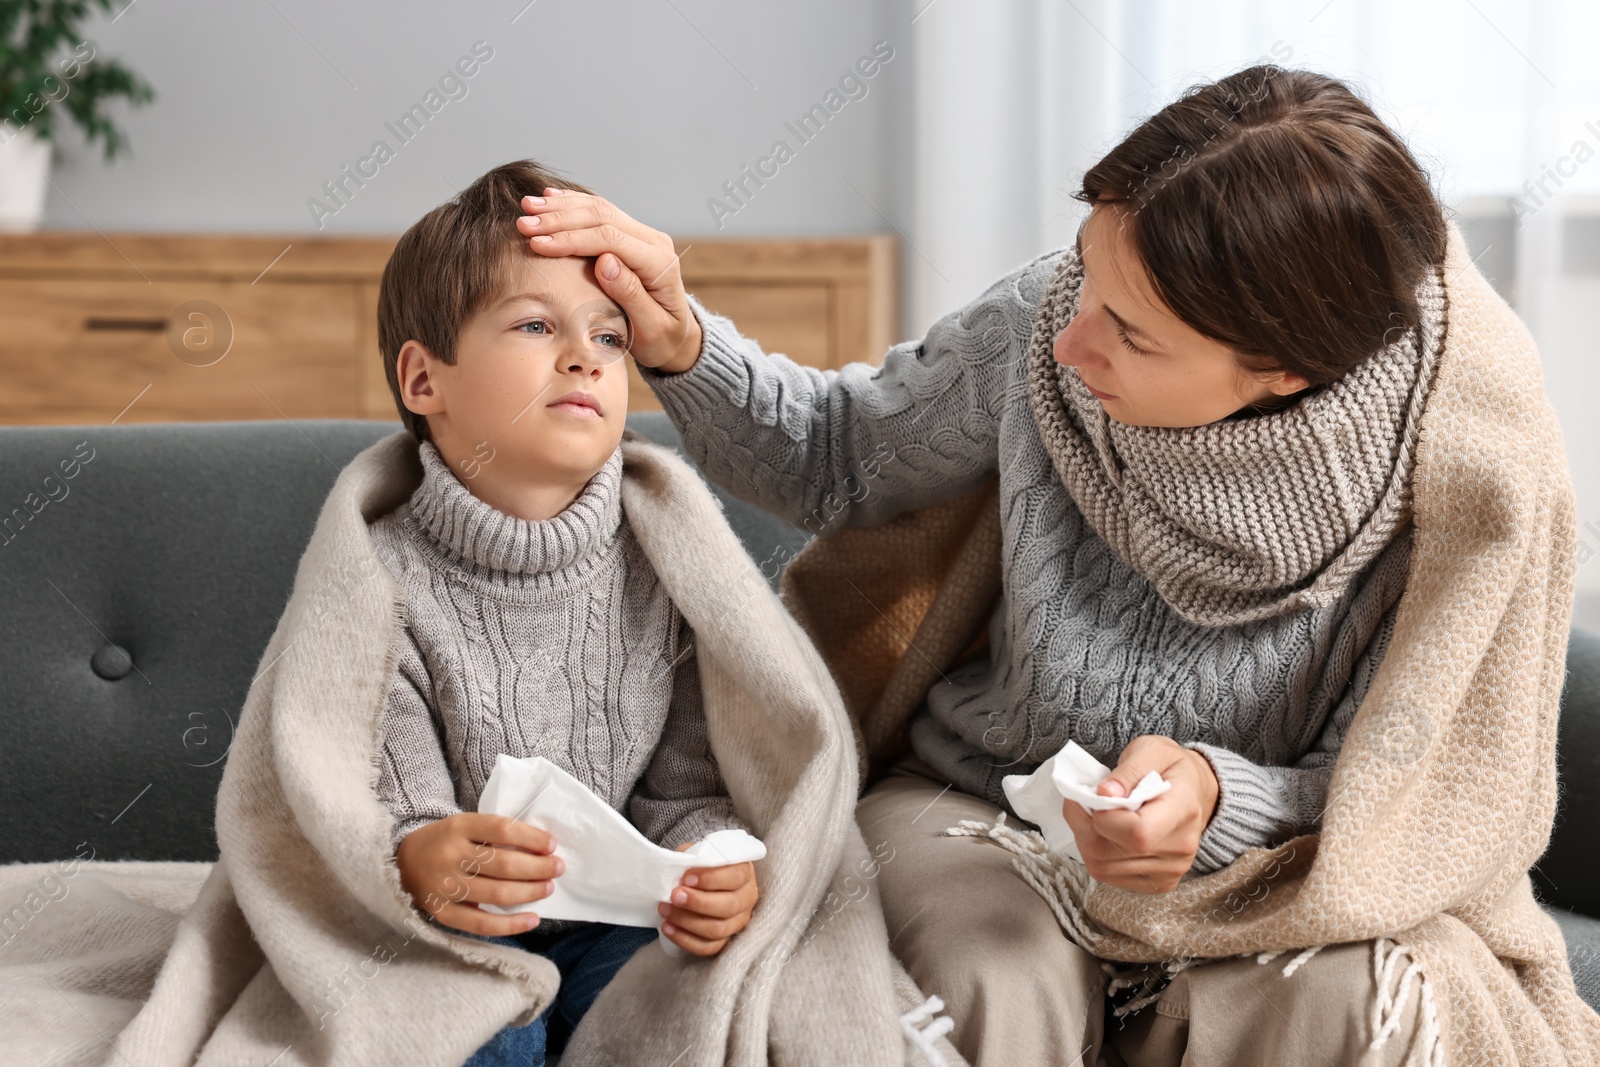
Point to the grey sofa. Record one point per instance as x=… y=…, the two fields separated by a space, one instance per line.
x=143 y=568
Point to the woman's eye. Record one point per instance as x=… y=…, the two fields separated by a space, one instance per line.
x=1126 y=343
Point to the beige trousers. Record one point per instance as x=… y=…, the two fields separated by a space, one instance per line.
x=1020 y=994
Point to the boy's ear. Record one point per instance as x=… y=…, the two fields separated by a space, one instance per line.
x=421 y=389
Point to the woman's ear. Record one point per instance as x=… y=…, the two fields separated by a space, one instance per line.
x=421 y=386
x=1286 y=383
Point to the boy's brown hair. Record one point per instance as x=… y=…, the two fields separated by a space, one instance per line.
x=449 y=264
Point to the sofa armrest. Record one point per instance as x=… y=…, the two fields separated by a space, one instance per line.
x=1568 y=874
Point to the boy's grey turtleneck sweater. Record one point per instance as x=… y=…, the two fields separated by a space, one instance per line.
x=552 y=639
x=1081 y=647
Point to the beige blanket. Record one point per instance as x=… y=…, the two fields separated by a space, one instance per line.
x=1445 y=789
x=300 y=946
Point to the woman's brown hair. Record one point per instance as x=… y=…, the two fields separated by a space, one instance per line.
x=1276 y=213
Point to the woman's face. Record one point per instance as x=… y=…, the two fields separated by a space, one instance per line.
x=1146 y=366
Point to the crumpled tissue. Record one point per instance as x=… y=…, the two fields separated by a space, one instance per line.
x=1071 y=774
x=614 y=874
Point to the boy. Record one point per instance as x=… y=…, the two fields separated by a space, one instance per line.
x=534 y=624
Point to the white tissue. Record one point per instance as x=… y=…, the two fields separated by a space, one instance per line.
x=1071 y=774
x=614 y=874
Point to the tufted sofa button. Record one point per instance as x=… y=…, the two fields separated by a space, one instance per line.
x=112 y=662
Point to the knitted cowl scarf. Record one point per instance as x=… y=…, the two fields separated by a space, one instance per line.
x=1243 y=519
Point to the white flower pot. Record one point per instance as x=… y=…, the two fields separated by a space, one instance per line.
x=24 y=174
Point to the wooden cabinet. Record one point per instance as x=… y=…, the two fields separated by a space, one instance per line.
x=159 y=328
x=79 y=351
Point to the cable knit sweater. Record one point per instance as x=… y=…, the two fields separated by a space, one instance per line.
x=552 y=639
x=1081 y=646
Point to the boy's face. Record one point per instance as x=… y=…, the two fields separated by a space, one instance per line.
x=539 y=382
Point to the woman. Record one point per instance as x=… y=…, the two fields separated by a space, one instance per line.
x=1206 y=536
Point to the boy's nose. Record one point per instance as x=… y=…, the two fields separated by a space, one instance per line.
x=586 y=368
x=589 y=362
x=583 y=357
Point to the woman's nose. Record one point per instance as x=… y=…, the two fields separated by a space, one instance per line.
x=1068 y=348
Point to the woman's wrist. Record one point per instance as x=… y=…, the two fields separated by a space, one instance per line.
x=688 y=352
x=1209 y=784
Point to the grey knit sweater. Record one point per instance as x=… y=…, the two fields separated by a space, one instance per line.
x=551 y=639
x=1081 y=647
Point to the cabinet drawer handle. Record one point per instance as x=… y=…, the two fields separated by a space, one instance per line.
x=142 y=325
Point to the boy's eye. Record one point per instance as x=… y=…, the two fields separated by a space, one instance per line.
x=536 y=326
x=610 y=339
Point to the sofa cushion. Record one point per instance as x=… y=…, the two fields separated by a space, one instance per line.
x=1568 y=875
x=136 y=607
x=1583 y=950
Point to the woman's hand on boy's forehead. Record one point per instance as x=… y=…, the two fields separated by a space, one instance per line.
x=635 y=265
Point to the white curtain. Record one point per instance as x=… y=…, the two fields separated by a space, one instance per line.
x=1499 y=99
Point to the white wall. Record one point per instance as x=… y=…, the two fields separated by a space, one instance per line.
x=1574 y=399
x=1573 y=381
x=654 y=102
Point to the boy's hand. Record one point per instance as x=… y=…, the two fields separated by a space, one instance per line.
x=710 y=906
x=451 y=866
x=1149 y=850
x=634 y=264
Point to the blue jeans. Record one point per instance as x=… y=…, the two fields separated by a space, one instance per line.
x=588 y=956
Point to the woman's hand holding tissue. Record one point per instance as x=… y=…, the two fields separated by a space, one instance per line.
x=710 y=906
x=452 y=865
x=1151 y=849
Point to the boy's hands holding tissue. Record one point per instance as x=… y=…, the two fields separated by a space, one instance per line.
x=709 y=906
x=451 y=866
x=1151 y=849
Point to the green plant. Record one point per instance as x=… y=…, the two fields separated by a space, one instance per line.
x=47 y=65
